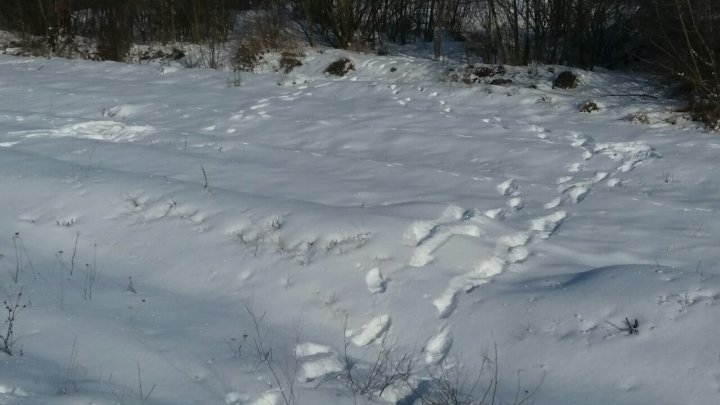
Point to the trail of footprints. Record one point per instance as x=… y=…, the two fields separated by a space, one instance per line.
x=430 y=236
x=318 y=361
x=407 y=101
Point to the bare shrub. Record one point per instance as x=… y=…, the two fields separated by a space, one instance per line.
x=265 y=33
x=340 y=67
x=22 y=258
x=685 y=46
x=640 y=117
x=544 y=99
x=285 y=375
x=471 y=74
x=7 y=338
x=289 y=61
x=706 y=111
x=589 y=106
x=33 y=46
x=452 y=384
x=246 y=55
x=371 y=379
x=684 y=35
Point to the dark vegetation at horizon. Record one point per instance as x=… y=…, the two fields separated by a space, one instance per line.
x=678 y=38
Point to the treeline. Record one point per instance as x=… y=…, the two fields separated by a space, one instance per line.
x=116 y=24
x=679 y=36
x=573 y=32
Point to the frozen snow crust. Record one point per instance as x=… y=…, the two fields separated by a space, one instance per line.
x=385 y=210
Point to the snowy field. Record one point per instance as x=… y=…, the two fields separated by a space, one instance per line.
x=148 y=212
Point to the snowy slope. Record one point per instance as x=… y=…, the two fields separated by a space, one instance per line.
x=437 y=219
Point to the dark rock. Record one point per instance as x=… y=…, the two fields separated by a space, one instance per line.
x=566 y=80
x=500 y=82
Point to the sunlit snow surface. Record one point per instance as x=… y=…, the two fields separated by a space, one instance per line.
x=382 y=210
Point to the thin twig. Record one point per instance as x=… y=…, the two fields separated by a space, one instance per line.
x=205 y=185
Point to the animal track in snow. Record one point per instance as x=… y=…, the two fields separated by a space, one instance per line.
x=143 y=210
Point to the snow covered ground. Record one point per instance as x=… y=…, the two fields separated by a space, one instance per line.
x=151 y=213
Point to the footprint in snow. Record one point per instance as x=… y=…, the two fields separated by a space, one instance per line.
x=507 y=187
x=423 y=254
x=447 y=302
x=544 y=227
x=375 y=281
x=575 y=167
x=515 y=240
x=12 y=391
x=317 y=361
x=259 y=106
x=429 y=236
x=575 y=192
x=423 y=230
x=583 y=142
x=438 y=346
x=266 y=398
x=518 y=254
x=372 y=331
x=516 y=203
x=497 y=214
x=629 y=154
